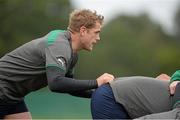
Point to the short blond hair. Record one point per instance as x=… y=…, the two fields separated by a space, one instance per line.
x=84 y=17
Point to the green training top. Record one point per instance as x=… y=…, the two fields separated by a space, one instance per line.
x=24 y=69
x=175 y=76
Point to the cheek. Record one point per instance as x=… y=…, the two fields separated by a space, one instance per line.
x=94 y=37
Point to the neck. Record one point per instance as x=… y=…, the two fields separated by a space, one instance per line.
x=75 y=42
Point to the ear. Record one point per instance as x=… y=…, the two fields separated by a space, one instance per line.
x=82 y=30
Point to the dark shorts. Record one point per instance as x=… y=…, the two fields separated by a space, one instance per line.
x=10 y=103
x=12 y=108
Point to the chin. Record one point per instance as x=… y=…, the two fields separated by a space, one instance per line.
x=89 y=50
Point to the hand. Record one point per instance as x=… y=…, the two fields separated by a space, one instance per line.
x=105 y=78
x=172 y=87
x=163 y=77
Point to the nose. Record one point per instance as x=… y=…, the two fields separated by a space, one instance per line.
x=98 y=38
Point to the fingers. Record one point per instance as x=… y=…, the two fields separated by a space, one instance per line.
x=172 y=87
x=109 y=75
x=172 y=90
x=109 y=78
x=105 y=78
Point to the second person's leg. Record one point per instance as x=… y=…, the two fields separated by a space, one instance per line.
x=104 y=106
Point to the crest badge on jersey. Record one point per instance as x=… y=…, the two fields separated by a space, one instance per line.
x=62 y=61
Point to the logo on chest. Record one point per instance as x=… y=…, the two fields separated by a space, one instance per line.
x=62 y=61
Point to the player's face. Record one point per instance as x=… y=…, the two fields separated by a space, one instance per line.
x=91 y=37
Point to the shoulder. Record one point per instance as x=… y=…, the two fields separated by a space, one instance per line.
x=58 y=44
x=58 y=39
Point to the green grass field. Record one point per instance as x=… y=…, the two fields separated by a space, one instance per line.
x=44 y=104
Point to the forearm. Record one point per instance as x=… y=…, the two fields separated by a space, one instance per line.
x=68 y=85
x=85 y=94
x=58 y=83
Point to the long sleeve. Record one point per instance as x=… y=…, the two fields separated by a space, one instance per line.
x=58 y=83
x=85 y=94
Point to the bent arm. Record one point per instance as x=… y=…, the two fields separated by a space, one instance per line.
x=58 y=83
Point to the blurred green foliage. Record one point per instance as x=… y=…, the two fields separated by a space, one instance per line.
x=177 y=23
x=24 y=20
x=130 y=45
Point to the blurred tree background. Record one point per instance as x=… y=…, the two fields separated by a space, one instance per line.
x=24 y=20
x=130 y=45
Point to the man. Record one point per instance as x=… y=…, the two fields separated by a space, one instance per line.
x=133 y=97
x=49 y=61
